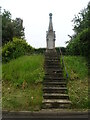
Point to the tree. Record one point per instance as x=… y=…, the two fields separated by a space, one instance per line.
x=81 y=21
x=18 y=28
x=11 y=28
x=79 y=43
x=7 y=27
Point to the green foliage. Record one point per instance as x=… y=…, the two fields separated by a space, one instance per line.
x=40 y=50
x=28 y=71
x=7 y=31
x=82 y=20
x=76 y=67
x=78 y=94
x=28 y=99
x=63 y=50
x=78 y=81
x=11 y=28
x=14 y=49
x=22 y=83
x=79 y=43
x=18 y=29
x=25 y=68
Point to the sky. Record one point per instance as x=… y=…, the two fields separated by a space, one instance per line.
x=35 y=15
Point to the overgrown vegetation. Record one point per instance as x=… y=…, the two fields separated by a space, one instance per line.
x=22 y=82
x=79 y=43
x=18 y=99
x=15 y=49
x=76 y=67
x=77 y=81
x=28 y=69
x=22 y=75
x=11 y=28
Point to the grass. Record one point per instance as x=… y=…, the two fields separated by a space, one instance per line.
x=27 y=69
x=18 y=99
x=22 y=83
x=78 y=93
x=77 y=81
x=76 y=67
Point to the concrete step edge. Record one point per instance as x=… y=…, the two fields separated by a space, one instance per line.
x=56 y=101
x=55 y=94
x=56 y=88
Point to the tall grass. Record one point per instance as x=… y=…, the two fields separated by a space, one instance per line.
x=76 y=67
x=25 y=68
x=77 y=81
x=28 y=99
x=21 y=86
x=28 y=70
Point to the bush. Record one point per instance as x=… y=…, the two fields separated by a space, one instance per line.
x=40 y=50
x=80 y=44
x=15 y=49
x=63 y=50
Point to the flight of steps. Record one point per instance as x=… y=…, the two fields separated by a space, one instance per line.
x=54 y=85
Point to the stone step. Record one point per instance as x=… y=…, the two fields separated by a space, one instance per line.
x=54 y=78
x=56 y=70
x=55 y=103
x=52 y=67
x=51 y=59
x=55 y=96
x=52 y=63
x=54 y=60
x=54 y=84
x=55 y=90
x=52 y=52
x=53 y=74
x=51 y=55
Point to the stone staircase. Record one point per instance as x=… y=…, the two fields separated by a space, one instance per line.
x=54 y=85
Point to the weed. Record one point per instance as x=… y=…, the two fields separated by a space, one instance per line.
x=26 y=68
x=77 y=81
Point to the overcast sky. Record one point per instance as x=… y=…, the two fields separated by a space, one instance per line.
x=35 y=15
